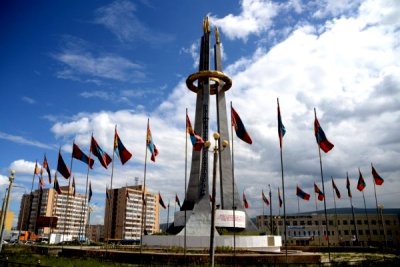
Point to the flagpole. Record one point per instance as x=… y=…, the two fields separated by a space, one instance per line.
x=186 y=152
x=111 y=184
x=352 y=211
x=233 y=191
x=270 y=211
x=39 y=203
x=69 y=184
x=283 y=192
x=323 y=190
x=366 y=215
x=334 y=203
x=319 y=228
x=84 y=203
x=31 y=194
x=263 y=214
x=298 y=205
x=143 y=223
x=376 y=202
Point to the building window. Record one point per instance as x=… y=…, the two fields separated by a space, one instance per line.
x=389 y=232
x=387 y=222
x=360 y=232
x=302 y=223
x=359 y=222
x=316 y=222
x=309 y=222
x=346 y=232
x=353 y=232
x=373 y=222
x=344 y=222
x=374 y=232
x=367 y=232
x=294 y=222
x=280 y=223
x=351 y=222
x=339 y=232
x=330 y=222
x=366 y=222
x=323 y=222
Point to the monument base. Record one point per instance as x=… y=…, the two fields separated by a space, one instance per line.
x=265 y=243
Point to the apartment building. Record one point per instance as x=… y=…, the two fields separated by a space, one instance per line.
x=45 y=211
x=369 y=228
x=123 y=213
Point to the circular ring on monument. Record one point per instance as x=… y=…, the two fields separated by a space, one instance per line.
x=211 y=74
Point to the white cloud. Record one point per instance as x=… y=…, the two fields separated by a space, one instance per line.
x=347 y=68
x=335 y=7
x=256 y=17
x=119 y=18
x=22 y=140
x=28 y=100
x=23 y=167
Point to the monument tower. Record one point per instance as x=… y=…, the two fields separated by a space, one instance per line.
x=210 y=83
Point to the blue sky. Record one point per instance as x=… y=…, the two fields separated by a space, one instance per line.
x=70 y=68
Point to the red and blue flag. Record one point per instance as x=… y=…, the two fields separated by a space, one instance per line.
x=348 y=187
x=196 y=139
x=160 y=200
x=123 y=153
x=150 y=145
x=361 y=183
x=47 y=167
x=280 y=198
x=281 y=127
x=103 y=157
x=264 y=198
x=62 y=167
x=301 y=194
x=245 y=202
x=319 y=192
x=377 y=178
x=322 y=141
x=335 y=188
x=239 y=127
x=78 y=154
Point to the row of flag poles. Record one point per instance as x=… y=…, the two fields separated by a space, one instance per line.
x=198 y=143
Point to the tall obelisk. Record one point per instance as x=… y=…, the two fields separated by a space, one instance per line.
x=209 y=82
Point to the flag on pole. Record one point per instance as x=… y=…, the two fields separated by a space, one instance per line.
x=160 y=200
x=319 y=192
x=239 y=127
x=177 y=200
x=280 y=198
x=264 y=198
x=150 y=145
x=123 y=153
x=281 y=127
x=79 y=155
x=245 y=203
x=62 y=167
x=196 y=139
x=322 y=141
x=41 y=183
x=335 y=188
x=300 y=193
x=348 y=187
x=36 y=171
x=90 y=191
x=103 y=157
x=56 y=186
x=46 y=166
x=73 y=185
x=361 y=183
x=377 y=178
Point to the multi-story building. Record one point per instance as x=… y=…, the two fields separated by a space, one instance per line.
x=96 y=232
x=369 y=228
x=45 y=211
x=123 y=213
x=8 y=221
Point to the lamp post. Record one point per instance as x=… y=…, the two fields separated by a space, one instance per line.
x=215 y=151
x=5 y=208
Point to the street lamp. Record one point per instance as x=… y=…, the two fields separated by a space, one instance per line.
x=215 y=151
x=5 y=208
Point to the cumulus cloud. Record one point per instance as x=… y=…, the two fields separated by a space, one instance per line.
x=347 y=68
x=256 y=17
